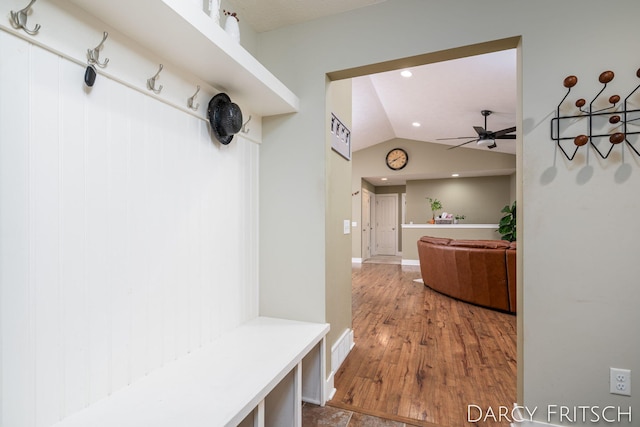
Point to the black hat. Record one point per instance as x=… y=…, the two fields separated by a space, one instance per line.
x=225 y=117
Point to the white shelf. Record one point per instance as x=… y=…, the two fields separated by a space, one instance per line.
x=183 y=34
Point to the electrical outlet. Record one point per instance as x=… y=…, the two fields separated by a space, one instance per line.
x=620 y=381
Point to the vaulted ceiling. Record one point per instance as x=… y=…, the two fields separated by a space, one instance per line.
x=445 y=98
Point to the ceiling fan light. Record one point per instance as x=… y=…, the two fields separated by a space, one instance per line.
x=485 y=142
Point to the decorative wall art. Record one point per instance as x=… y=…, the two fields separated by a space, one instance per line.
x=607 y=123
x=340 y=138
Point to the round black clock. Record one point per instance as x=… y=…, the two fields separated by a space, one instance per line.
x=397 y=159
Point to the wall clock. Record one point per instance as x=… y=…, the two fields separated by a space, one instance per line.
x=397 y=159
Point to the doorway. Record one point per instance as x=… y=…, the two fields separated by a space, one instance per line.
x=386 y=214
x=437 y=57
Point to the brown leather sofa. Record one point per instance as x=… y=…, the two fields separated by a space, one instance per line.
x=481 y=272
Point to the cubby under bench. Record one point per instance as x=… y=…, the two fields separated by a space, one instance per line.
x=256 y=375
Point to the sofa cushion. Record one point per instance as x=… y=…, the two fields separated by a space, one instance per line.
x=436 y=240
x=483 y=244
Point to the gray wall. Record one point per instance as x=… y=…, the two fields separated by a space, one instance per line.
x=480 y=199
x=425 y=159
x=578 y=297
x=338 y=244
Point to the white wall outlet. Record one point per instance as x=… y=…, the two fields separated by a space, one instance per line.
x=620 y=381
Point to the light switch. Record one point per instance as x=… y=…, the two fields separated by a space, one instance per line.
x=347 y=226
x=354 y=224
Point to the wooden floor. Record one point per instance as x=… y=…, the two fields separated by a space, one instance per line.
x=423 y=356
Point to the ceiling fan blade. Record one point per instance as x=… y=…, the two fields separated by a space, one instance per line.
x=480 y=130
x=449 y=139
x=504 y=131
x=506 y=137
x=464 y=143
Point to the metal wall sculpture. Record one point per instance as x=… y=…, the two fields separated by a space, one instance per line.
x=618 y=122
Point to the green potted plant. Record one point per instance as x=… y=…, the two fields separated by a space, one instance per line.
x=435 y=206
x=458 y=218
x=507 y=225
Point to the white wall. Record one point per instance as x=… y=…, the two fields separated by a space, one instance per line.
x=579 y=222
x=128 y=236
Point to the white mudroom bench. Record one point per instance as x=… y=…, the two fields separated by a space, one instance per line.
x=254 y=376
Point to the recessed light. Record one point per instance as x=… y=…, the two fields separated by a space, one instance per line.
x=383 y=179
x=455 y=174
x=406 y=73
x=415 y=124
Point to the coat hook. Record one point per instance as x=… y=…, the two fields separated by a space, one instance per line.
x=151 y=82
x=244 y=126
x=19 y=20
x=191 y=100
x=93 y=55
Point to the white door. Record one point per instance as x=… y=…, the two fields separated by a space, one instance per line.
x=366 y=224
x=386 y=224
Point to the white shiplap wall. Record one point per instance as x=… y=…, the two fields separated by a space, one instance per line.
x=128 y=237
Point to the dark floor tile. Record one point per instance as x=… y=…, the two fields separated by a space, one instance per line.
x=316 y=416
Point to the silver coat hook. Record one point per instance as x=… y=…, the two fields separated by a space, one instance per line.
x=191 y=100
x=93 y=55
x=244 y=126
x=19 y=20
x=151 y=82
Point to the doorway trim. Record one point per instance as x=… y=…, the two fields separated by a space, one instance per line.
x=514 y=42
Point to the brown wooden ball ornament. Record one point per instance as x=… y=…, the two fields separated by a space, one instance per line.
x=581 y=140
x=606 y=77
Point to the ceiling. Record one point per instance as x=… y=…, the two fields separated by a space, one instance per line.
x=446 y=98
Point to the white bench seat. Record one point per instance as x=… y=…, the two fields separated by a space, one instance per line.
x=219 y=385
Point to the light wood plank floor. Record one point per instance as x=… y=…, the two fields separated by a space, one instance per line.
x=423 y=356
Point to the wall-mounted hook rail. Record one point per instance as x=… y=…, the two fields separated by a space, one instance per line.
x=151 y=82
x=19 y=20
x=191 y=100
x=93 y=55
x=619 y=119
x=245 y=129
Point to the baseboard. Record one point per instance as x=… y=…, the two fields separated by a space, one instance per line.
x=410 y=262
x=527 y=423
x=341 y=348
x=522 y=420
x=339 y=351
x=329 y=388
x=356 y=260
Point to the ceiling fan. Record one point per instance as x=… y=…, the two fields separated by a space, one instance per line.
x=485 y=138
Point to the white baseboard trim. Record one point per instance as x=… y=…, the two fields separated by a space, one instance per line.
x=341 y=348
x=410 y=262
x=339 y=351
x=527 y=423
x=329 y=388
x=356 y=260
x=524 y=422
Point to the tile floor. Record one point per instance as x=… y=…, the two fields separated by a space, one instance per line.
x=327 y=416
